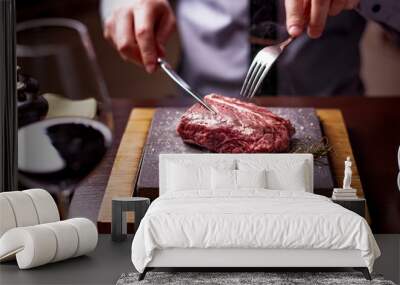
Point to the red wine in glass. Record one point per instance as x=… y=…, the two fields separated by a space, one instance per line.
x=57 y=152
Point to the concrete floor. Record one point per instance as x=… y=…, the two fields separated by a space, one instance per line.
x=110 y=259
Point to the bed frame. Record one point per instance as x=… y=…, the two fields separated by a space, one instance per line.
x=256 y=259
x=246 y=259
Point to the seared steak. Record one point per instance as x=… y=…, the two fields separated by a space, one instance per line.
x=239 y=127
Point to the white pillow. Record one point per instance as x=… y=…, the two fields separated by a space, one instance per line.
x=226 y=179
x=192 y=174
x=291 y=178
x=290 y=175
x=251 y=178
x=223 y=179
x=183 y=177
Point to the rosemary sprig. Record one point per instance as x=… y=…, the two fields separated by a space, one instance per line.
x=317 y=148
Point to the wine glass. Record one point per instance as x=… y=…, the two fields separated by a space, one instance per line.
x=68 y=140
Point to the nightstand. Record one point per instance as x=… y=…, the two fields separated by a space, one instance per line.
x=356 y=205
x=121 y=205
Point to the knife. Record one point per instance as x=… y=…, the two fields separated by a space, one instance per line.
x=178 y=80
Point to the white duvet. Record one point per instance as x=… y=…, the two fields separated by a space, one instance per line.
x=250 y=219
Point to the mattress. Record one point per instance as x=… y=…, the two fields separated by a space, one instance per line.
x=250 y=219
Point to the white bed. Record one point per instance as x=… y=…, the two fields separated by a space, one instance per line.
x=201 y=219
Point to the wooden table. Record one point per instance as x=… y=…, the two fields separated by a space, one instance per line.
x=374 y=130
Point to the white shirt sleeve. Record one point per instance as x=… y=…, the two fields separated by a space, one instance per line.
x=383 y=11
x=108 y=6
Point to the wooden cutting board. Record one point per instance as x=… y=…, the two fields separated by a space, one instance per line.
x=162 y=138
x=125 y=171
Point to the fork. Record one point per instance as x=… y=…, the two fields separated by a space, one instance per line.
x=260 y=66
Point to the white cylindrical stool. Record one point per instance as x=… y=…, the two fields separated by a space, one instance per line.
x=23 y=208
x=40 y=244
x=7 y=218
x=45 y=206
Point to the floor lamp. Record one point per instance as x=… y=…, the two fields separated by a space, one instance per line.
x=8 y=105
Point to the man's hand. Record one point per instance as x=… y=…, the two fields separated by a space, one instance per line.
x=312 y=14
x=139 y=31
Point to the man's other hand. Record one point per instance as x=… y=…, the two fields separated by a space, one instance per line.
x=312 y=15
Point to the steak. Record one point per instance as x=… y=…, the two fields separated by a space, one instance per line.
x=238 y=127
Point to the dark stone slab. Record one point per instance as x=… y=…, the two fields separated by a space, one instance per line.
x=163 y=138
